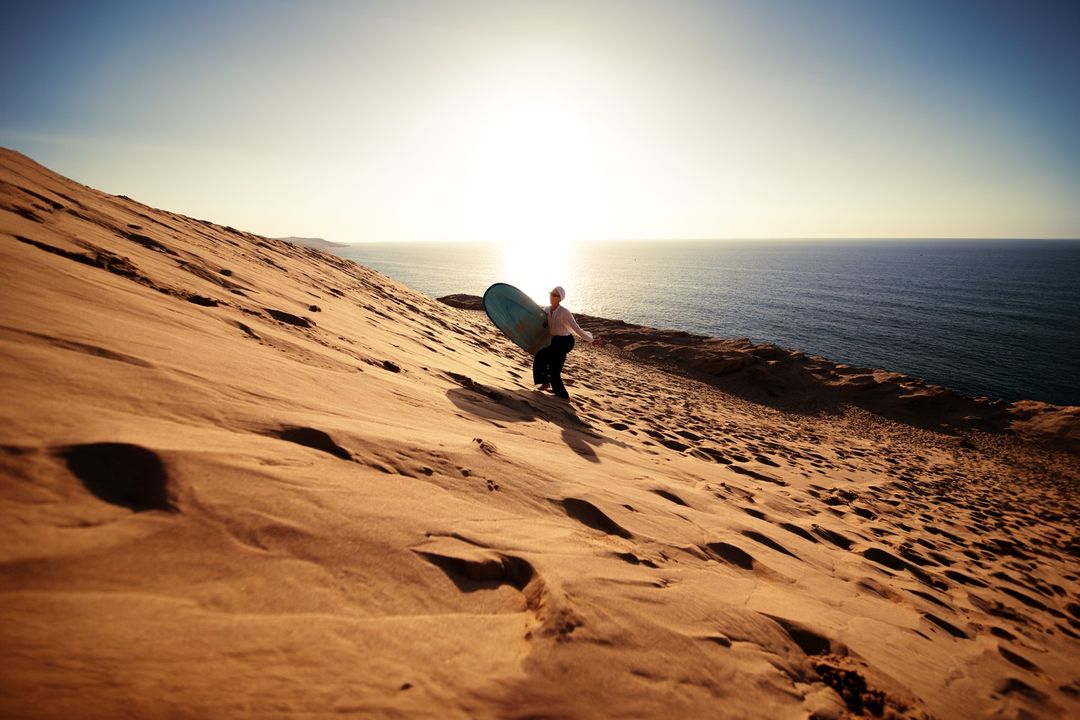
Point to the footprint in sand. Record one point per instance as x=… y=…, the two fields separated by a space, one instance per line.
x=588 y=514
x=768 y=542
x=728 y=553
x=838 y=539
x=1018 y=660
x=312 y=438
x=757 y=475
x=671 y=497
x=121 y=474
x=796 y=530
x=633 y=559
x=472 y=568
x=930 y=598
x=712 y=454
x=946 y=626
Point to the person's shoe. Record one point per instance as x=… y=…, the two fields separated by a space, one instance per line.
x=544 y=387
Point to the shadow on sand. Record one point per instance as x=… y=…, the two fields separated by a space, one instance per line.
x=507 y=406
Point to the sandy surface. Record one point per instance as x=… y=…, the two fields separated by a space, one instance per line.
x=240 y=477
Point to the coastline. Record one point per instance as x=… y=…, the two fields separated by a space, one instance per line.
x=245 y=477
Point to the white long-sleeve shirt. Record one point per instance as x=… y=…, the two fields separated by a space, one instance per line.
x=562 y=322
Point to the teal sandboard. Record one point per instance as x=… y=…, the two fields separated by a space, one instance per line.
x=517 y=316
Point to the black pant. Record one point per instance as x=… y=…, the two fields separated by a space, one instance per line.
x=548 y=364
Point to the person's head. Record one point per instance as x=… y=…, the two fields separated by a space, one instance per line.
x=557 y=294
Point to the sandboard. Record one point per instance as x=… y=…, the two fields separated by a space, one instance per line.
x=518 y=317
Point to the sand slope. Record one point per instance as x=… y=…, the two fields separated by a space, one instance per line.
x=240 y=477
x=798 y=382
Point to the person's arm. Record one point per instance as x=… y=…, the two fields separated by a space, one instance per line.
x=584 y=334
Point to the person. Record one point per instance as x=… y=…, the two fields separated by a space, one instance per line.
x=548 y=364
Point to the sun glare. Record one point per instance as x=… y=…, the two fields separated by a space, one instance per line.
x=536 y=267
x=535 y=175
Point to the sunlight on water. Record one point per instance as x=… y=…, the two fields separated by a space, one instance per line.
x=538 y=267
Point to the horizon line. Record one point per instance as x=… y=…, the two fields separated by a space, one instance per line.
x=847 y=238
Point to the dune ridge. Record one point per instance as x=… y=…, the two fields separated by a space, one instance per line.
x=242 y=477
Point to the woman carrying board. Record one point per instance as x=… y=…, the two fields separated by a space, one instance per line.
x=548 y=364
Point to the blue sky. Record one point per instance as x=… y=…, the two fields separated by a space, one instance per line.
x=559 y=121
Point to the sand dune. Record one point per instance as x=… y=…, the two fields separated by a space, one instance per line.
x=242 y=477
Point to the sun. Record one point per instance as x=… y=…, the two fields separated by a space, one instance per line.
x=535 y=173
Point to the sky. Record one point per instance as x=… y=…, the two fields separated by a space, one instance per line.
x=553 y=122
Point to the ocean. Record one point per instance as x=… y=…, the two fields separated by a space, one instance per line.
x=984 y=317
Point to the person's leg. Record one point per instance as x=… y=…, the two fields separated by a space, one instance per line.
x=541 y=366
x=560 y=348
